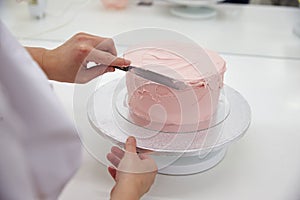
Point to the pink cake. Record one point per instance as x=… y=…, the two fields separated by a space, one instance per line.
x=159 y=107
x=115 y=4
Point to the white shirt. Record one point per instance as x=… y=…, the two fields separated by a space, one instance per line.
x=39 y=146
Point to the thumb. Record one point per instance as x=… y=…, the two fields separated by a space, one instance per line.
x=130 y=145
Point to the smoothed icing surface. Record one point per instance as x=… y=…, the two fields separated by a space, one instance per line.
x=174 y=65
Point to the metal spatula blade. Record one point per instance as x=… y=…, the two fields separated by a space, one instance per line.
x=155 y=77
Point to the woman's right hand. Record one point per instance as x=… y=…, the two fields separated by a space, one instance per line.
x=134 y=174
x=68 y=62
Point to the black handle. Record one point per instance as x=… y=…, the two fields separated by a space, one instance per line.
x=123 y=68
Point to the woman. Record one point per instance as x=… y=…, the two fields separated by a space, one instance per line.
x=39 y=147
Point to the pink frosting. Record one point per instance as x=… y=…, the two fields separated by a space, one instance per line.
x=159 y=107
x=115 y=4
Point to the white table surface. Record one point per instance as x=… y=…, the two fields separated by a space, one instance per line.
x=265 y=163
x=237 y=29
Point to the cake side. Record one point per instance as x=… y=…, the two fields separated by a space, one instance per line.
x=159 y=107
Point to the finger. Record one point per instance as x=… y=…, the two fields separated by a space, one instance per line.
x=106 y=44
x=85 y=75
x=130 y=145
x=143 y=156
x=113 y=159
x=100 y=57
x=120 y=62
x=106 y=58
x=143 y=153
x=99 y=70
x=113 y=172
x=93 y=40
x=117 y=152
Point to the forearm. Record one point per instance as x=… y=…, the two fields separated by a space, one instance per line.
x=41 y=56
x=37 y=54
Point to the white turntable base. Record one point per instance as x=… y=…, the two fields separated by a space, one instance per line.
x=203 y=12
x=191 y=9
x=172 y=161
x=192 y=164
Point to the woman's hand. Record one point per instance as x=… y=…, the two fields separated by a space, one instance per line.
x=134 y=174
x=68 y=62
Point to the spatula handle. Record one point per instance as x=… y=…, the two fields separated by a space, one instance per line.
x=122 y=68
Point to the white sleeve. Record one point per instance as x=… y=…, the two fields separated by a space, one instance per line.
x=13 y=166
x=40 y=149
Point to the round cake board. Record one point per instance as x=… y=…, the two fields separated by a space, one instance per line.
x=176 y=159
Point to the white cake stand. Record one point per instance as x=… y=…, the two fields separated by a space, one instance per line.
x=180 y=153
x=194 y=9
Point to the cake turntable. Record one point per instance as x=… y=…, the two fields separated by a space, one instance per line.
x=175 y=153
x=194 y=9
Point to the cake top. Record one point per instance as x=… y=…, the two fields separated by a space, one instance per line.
x=190 y=67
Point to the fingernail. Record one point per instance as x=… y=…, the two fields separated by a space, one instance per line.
x=130 y=139
x=111 y=167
